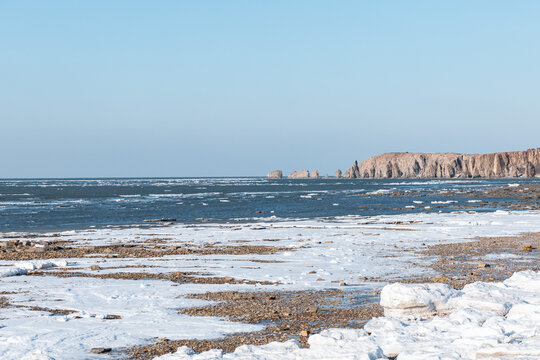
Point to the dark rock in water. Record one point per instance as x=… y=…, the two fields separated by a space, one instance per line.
x=100 y=350
x=160 y=220
x=448 y=165
x=276 y=174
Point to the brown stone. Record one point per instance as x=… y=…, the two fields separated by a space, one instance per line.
x=95 y=267
x=111 y=317
x=100 y=350
x=527 y=248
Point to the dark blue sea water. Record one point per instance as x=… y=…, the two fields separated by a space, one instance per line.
x=35 y=205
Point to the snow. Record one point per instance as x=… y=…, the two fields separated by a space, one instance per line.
x=22 y=268
x=148 y=309
x=335 y=250
x=474 y=328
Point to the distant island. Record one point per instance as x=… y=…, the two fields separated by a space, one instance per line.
x=513 y=164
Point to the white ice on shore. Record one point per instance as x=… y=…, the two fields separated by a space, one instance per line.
x=22 y=268
x=323 y=253
x=486 y=320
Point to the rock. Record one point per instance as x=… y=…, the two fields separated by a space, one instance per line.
x=111 y=317
x=440 y=279
x=95 y=267
x=527 y=248
x=159 y=220
x=480 y=266
x=302 y=174
x=100 y=350
x=313 y=309
x=228 y=278
x=337 y=174
x=315 y=174
x=326 y=176
x=304 y=333
x=276 y=174
x=448 y=165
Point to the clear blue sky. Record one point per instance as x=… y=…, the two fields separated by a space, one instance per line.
x=220 y=88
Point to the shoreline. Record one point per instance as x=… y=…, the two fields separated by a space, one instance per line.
x=211 y=269
x=230 y=303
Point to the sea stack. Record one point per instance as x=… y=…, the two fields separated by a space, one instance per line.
x=337 y=174
x=448 y=165
x=302 y=174
x=276 y=174
x=315 y=174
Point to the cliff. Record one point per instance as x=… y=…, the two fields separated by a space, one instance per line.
x=447 y=165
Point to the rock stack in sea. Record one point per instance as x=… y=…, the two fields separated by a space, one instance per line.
x=448 y=165
x=302 y=174
x=276 y=174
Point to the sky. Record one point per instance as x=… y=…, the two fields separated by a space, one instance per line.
x=131 y=88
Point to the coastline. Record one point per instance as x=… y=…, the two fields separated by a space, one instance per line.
x=323 y=262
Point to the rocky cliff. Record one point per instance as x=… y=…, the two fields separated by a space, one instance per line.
x=448 y=165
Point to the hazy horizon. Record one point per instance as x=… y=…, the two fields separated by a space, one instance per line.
x=195 y=89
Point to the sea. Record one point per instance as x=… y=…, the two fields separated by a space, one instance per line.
x=45 y=205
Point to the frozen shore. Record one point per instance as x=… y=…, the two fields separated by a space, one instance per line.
x=119 y=289
x=484 y=320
